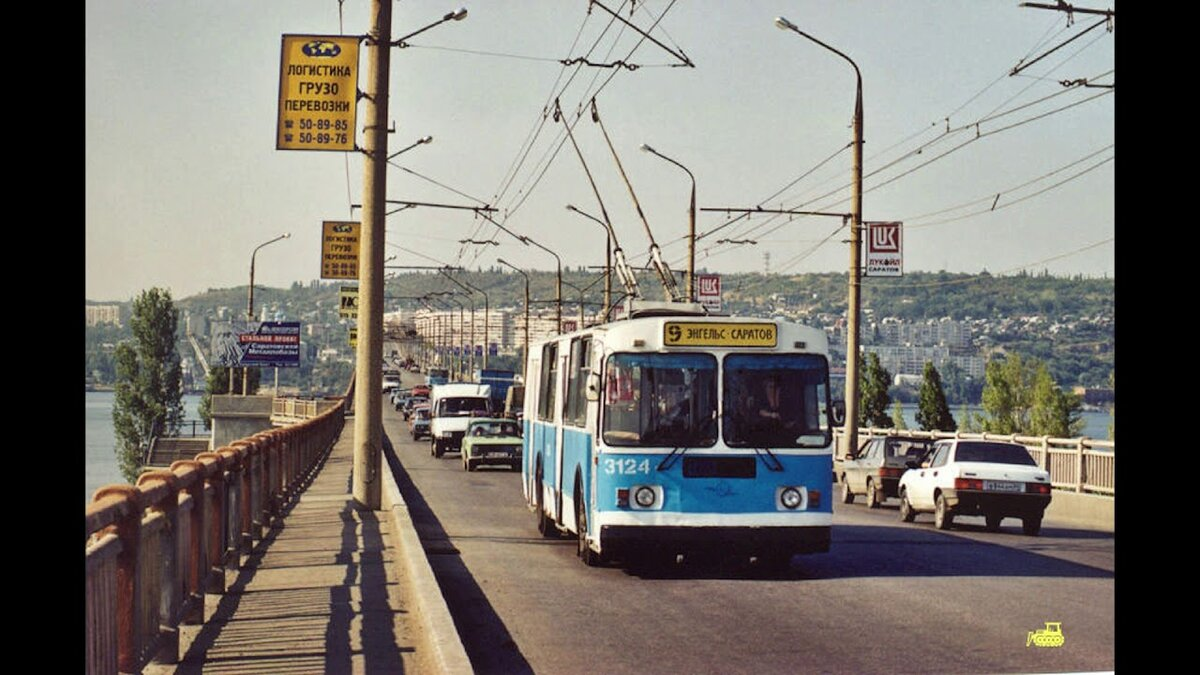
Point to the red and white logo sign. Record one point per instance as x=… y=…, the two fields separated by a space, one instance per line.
x=708 y=291
x=885 y=255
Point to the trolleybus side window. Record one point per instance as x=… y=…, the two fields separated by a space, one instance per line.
x=661 y=400
x=548 y=388
x=575 y=412
x=776 y=400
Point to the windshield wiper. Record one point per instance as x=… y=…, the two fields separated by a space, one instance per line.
x=778 y=465
x=667 y=462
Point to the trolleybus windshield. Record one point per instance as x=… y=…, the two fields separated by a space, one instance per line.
x=776 y=401
x=660 y=400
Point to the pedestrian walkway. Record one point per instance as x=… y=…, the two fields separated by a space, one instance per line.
x=321 y=593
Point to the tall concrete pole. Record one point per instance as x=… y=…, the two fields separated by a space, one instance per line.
x=852 y=310
x=368 y=413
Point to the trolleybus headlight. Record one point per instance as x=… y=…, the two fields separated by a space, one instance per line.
x=644 y=496
x=791 y=497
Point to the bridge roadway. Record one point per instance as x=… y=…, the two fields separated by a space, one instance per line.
x=888 y=597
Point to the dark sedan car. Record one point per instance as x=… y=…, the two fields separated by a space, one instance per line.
x=876 y=470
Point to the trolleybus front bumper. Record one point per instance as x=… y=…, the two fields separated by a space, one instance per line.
x=620 y=541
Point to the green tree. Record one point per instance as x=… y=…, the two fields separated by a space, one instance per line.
x=898 y=416
x=1007 y=393
x=217 y=383
x=933 y=414
x=873 y=393
x=148 y=398
x=1053 y=412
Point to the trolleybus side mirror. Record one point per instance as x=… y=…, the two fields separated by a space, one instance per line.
x=839 y=413
x=592 y=393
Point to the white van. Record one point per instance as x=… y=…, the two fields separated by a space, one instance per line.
x=450 y=407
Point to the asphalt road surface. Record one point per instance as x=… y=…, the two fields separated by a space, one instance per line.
x=889 y=597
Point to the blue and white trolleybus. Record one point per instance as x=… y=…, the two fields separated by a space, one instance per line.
x=677 y=433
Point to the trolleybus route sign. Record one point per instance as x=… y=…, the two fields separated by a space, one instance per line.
x=697 y=334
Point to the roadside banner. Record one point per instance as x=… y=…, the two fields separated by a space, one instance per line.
x=348 y=302
x=270 y=344
x=885 y=255
x=708 y=291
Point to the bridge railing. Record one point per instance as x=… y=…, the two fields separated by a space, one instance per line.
x=294 y=407
x=155 y=548
x=1075 y=464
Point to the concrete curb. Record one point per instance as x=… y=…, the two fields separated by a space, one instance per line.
x=449 y=655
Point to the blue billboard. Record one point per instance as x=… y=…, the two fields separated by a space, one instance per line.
x=270 y=344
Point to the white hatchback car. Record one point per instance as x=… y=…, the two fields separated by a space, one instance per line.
x=993 y=479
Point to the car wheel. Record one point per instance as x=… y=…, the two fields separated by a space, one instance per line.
x=942 y=518
x=993 y=521
x=847 y=495
x=906 y=510
x=585 y=552
x=1031 y=525
x=471 y=466
x=545 y=526
x=438 y=449
x=872 y=495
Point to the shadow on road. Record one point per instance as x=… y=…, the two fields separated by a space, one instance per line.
x=878 y=551
x=488 y=643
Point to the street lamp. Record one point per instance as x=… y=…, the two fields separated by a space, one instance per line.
x=607 y=255
x=558 y=273
x=524 y=354
x=691 y=270
x=851 y=426
x=250 y=312
x=419 y=141
x=472 y=299
x=486 y=311
x=581 y=291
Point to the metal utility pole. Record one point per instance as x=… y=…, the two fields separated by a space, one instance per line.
x=368 y=413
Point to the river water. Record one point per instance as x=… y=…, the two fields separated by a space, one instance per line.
x=100 y=460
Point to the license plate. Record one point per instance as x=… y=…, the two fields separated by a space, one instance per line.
x=1003 y=486
x=497 y=454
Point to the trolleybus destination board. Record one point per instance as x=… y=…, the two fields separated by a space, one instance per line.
x=711 y=334
x=318 y=89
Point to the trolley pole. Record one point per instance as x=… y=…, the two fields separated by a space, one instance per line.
x=368 y=414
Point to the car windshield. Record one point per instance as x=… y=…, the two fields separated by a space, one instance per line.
x=493 y=428
x=997 y=453
x=421 y=414
x=664 y=400
x=460 y=405
x=776 y=400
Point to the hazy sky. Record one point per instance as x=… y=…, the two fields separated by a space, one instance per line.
x=183 y=179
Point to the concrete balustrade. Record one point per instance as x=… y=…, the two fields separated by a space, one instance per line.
x=155 y=548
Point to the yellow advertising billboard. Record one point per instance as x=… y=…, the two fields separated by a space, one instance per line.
x=318 y=89
x=339 y=249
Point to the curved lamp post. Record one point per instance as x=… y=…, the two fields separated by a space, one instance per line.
x=691 y=270
x=851 y=426
x=607 y=256
x=524 y=354
x=250 y=312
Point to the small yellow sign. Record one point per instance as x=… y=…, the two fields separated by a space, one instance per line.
x=348 y=302
x=353 y=337
x=318 y=92
x=339 y=249
x=696 y=334
x=1050 y=636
